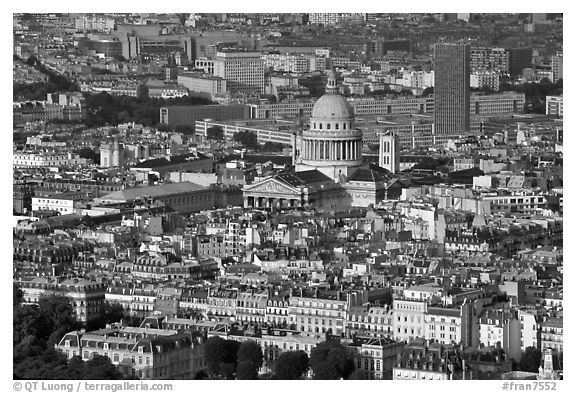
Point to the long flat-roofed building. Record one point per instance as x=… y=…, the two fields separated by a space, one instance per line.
x=186 y=115
x=184 y=197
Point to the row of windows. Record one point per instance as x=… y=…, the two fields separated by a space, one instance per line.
x=433 y=327
x=399 y=318
x=327 y=305
x=318 y=126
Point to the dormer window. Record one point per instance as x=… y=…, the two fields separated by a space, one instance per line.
x=140 y=349
x=67 y=343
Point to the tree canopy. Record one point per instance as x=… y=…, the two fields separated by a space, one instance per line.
x=37 y=328
x=221 y=356
x=291 y=365
x=250 y=351
x=535 y=93
x=103 y=108
x=530 y=360
x=213 y=354
x=215 y=133
x=247 y=138
x=329 y=360
x=247 y=370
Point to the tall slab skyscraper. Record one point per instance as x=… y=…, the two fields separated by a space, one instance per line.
x=451 y=89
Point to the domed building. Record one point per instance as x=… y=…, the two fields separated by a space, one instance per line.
x=328 y=172
x=331 y=145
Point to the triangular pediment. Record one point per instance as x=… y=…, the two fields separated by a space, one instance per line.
x=272 y=186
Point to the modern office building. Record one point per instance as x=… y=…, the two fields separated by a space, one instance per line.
x=203 y=85
x=452 y=88
x=178 y=115
x=557 y=67
x=489 y=59
x=243 y=71
x=555 y=106
x=520 y=58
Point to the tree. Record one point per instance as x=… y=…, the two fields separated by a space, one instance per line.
x=246 y=138
x=427 y=91
x=227 y=370
x=272 y=147
x=90 y=154
x=214 y=352
x=186 y=130
x=250 y=351
x=201 y=375
x=110 y=313
x=325 y=371
x=247 y=370
x=31 y=61
x=231 y=348
x=100 y=367
x=530 y=360
x=215 y=133
x=357 y=374
x=59 y=312
x=329 y=360
x=17 y=295
x=291 y=365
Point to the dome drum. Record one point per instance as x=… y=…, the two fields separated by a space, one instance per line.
x=331 y=151
x=322 y=134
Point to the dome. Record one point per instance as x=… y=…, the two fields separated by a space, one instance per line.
x=332 y=106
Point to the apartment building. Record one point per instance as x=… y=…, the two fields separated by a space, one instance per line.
x=277 y=310
x=443 y=325
x=371 y=321
x=552 y=336
x=61 y=202
x=501 y=329
x=409 y=319
x=46 y=160
x=251 y=307
x=374 y=357
x=323 y=311
x=421 y=360
x=145 y=354
x=85 y=296
x=530 y=326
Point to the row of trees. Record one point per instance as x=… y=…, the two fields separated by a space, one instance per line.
x=246 y=138
x=38 y=91
x=103 y=108
x=536 y=94
x=230 y=359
